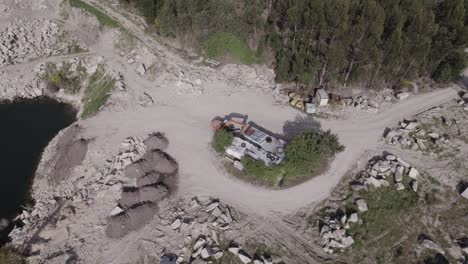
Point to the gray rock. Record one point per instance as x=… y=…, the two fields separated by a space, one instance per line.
x=464 y=194
x=244 y=256
x=353 y=218
x=414 y=173
x=399 y=186
x=399 y=173
x=176 y=224
x=206 y=253
x=414 y=185
x=362 y=205
x=347 y=241
x=141 y=69
x=434 y=135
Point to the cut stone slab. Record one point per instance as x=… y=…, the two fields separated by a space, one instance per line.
x=414 y=173
x=391 y=157
x=399 y=173
x=116 y=211
x=244 y=257
x=347 y=241
x=211 y=207
x=353 y=218
x=176 y=224
x=384 y=182
x=412 y=126
x=404 y=163
x=234 y=249
x=362 y=205
x=414 y=185
x=399 y=186
x=200 y=242
x=464 y=194
x=403 y=95
x=218 y=255
x=238 y=165
x=376 y=183
x=206 y=252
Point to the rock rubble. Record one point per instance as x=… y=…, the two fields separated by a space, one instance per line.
x=25 y=40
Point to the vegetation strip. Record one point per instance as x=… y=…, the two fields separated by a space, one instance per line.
x=104 y=20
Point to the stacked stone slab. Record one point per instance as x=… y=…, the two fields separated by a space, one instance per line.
x=203 y=223
x=411 y=135
x=333 y=232
x=381 y=171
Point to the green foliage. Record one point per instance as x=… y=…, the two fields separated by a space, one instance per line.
x=97 y=92
x=104 y=20
x=221 y=140
x=387 y=207
x=222 y=45
x=318 y=42
x=306 y=154
x=63 y=77
x=9 y=256
x=450 y=68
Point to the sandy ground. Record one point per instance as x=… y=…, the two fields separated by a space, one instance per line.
x=185 y=121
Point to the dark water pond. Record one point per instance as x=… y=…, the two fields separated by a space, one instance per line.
x=26 y=127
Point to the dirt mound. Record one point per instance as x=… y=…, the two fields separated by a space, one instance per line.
x=156 y=141
x=70 y=151
x=123 y=224
x=147 y=194
x=154 y=160
x=151 y=179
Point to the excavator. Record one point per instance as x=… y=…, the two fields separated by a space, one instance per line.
x=231 y=124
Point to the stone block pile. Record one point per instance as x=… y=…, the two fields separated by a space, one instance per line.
x=24 y=40
x=333 y=231
x=387 y=171
x=382 y=172
x=412 y=135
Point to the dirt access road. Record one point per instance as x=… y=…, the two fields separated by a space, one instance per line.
x=185 y=120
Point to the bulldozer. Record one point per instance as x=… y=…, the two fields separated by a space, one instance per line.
x=305 y=103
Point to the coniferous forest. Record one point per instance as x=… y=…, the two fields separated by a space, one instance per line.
x=318 y=42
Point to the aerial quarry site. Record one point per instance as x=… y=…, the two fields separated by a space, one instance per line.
x=234 y=131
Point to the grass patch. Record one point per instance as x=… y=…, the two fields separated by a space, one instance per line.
x=104 y=20
x=97 y=92
x=387 y=209
x=227 y=45
x=10 y=256
x=221 y=140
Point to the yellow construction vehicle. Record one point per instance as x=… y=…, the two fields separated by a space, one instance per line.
x=297 y=100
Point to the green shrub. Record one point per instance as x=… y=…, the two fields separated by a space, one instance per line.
x=221 y=140
x=63 y=78
x=104 y=20
x=386 y=206
x=306 y=154
x=97 y=92
x=222 y=45
x=10 y=256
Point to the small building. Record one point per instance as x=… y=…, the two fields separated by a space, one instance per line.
x=321 y=97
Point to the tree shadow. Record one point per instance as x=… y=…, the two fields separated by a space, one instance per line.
x=300 y=125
